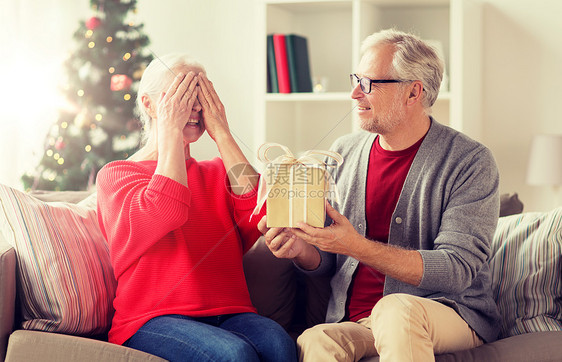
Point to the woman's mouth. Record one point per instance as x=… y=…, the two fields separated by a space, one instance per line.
x=192 y=122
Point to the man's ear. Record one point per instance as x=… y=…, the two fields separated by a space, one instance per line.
x=416 y=91
x=147 y=104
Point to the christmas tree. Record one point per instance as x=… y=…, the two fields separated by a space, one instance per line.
x=102 y=75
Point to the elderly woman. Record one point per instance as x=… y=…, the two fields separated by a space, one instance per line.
x=177 y=230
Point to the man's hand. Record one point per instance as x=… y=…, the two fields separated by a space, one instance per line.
x=342 y=238
x=338 y=238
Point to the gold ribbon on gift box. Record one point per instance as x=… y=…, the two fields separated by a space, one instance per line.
x=295 y=188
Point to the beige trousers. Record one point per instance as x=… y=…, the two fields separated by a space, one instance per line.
x=401 y=328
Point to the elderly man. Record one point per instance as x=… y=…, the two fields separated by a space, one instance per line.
x=409 y=247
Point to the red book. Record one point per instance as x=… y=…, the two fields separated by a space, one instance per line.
x=283 y=77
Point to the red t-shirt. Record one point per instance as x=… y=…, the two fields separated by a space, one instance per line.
x=174 y=249
x=385 y=177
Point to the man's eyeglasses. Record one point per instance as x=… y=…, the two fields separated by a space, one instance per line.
x=365 y=83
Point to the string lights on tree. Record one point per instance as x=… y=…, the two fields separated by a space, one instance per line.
x=98 y=125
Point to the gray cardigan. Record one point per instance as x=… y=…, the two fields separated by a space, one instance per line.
x=448 y=210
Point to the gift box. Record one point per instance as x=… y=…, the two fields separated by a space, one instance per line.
x=296 y=189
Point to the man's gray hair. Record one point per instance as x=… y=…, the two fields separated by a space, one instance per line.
x=156 y=79
x=413 y=59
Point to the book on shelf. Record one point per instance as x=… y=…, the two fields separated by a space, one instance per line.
x=299 y=68
x=282 y=63
x=288 y=66
x=272 y=84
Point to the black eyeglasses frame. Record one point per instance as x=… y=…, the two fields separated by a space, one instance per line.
x=361 y=82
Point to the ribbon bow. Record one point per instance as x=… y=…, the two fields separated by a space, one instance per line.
x=312 y=158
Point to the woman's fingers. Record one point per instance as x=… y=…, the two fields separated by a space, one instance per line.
x=206 y=100
x=190 y=94
x=212 y=98
x=172 y=89
x=279 y=241
x=188 y=87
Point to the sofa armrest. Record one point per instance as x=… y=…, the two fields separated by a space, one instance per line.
x=52 y=347
x=7 y=293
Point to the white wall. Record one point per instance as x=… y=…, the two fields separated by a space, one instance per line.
x=522 y=58
x=219 y=33
x=522 y=78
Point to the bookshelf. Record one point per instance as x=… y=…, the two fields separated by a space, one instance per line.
x=334 y=30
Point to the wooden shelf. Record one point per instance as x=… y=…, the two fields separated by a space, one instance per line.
x=335 y=30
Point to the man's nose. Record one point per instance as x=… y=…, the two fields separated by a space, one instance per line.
x=357 y=92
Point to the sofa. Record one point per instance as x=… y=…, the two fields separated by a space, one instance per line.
x=55 y=304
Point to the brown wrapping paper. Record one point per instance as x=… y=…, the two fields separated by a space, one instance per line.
x=296 y=193
x=296 y=189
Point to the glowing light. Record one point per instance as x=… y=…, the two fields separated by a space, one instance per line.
x=51 y=141
x=89 y=34
x=56 y=156
x=111 y=70
x=80 y=92
x=127 y=56
x=123 y=137
x=51 y=177
x=60 y=161
x=64 y=125
x=131 y=24
x=49 y=153
x=88 y=148
x=93 y=126
x=21 y=70
x=109 y=39
x=99 y=117
x=91 y=44
x=127 y=97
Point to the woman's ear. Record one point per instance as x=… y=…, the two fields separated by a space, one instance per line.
x=416 y=90
x=147 y=104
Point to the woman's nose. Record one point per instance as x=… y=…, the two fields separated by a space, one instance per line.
x=196 y=105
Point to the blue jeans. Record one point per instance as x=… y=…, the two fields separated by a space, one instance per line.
x=234 y=337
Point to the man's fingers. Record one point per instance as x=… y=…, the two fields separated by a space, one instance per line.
x=333 y=213
x=302 y=234
x=309 y=230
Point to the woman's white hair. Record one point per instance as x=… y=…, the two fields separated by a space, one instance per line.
x=413 y=59
x=156 y=79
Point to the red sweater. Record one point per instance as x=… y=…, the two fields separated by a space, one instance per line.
x=174 y=249
x=385 y=178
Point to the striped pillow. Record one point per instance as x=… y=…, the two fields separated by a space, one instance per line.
x=65 y=279
x=527 y=272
